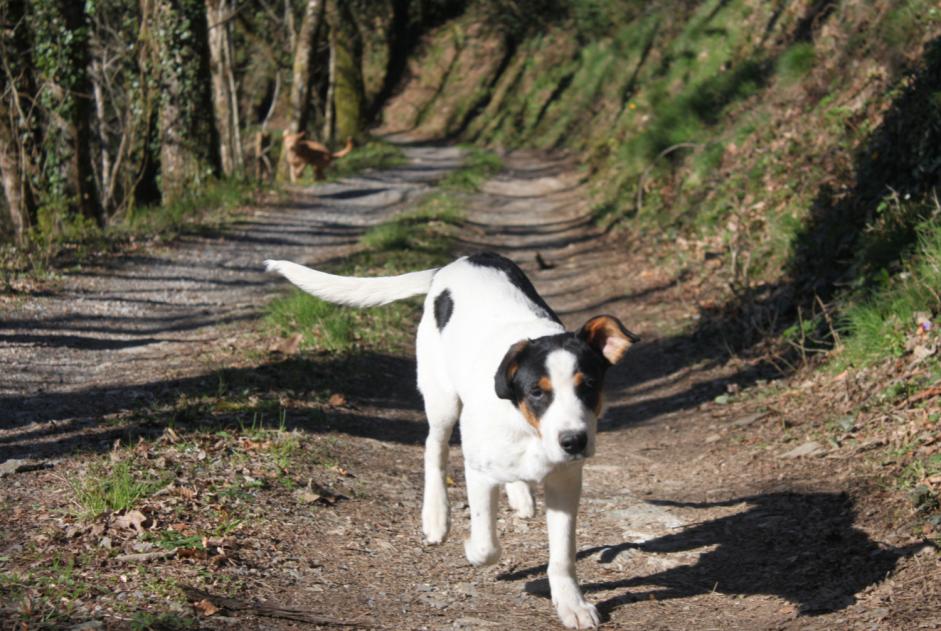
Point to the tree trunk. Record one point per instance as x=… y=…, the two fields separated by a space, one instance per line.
x=76 y=84
x=17 y=129
x=302 y=71
x=224 y=98
x=187 y=145
x=328 y=109
x=16 y=190
x=349 y=93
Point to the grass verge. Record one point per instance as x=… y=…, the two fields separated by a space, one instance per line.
x=479 y=166
x=375 y=154
x=900 y=314
x=63 y=243
x=417 y=239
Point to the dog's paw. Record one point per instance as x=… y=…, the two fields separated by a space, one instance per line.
x=520 y=498
x=435 y=524
x=578 y=614
x=479 y=555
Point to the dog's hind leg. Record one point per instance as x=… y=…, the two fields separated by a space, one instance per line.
x=442 y=407
x=520 y=498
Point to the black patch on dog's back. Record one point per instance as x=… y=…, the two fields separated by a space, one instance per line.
x=516 y=277
x=444 y=307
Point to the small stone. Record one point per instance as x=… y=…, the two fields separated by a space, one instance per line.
x=713 y=438
x=745 y=421
x=811 y=448
x=466 y=589
x=435 y=601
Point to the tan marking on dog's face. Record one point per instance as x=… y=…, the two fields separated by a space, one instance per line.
x=546 y=384
x=578 y=378
x=531 y=418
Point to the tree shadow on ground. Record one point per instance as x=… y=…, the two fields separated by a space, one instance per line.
x=276 y=393
x=801 y=547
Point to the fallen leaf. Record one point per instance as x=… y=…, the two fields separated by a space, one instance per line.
x=306 y=496
x=336 y=400
x=205 y=607
x=133 y=520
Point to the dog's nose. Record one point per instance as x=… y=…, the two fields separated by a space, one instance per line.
x=573 y=442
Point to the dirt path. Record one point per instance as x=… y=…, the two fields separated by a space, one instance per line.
x=121 y=334
x=686 y=523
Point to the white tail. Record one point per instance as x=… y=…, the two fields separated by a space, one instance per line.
x=352 y=291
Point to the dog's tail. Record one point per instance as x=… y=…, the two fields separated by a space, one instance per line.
x=353 y=291
x=345 y=150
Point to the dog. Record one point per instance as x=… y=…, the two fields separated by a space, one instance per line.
x=301 y=153
x=528 y=394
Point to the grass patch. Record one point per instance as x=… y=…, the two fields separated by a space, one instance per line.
x=115 y=490
x=878 y=326
x=418 y=239
x=796 y=62
x=375 y=154
x=479 y=166
x=58 y=241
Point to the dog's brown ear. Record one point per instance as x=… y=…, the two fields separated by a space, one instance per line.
x=608 y=336
x=507 y=370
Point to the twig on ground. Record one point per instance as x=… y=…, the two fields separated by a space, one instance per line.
x=270 y=610
x=146 y=556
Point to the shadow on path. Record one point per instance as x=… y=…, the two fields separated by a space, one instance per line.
x=800 y=547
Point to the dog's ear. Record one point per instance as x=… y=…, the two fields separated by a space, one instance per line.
x=507 y=370
x=608 y=336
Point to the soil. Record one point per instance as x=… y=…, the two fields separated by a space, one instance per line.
x=698 y=512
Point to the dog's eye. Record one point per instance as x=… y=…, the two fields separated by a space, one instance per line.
x=536 y=392
x=588 y=382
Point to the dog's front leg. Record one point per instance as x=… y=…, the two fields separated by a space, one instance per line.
x=482 y=547
x=563 y=490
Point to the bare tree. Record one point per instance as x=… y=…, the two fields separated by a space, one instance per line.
x=16 y=133
x=302 y=69
x=219 y=15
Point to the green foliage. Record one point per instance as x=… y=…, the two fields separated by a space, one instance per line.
x=479 y=166
x=796 y=62
x=375 y=154
x=119 y=489
x=416 y=239
x=878 y=326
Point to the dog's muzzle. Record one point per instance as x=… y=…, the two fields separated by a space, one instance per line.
x=573 y=443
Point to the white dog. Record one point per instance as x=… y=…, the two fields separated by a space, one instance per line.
x=492 y=353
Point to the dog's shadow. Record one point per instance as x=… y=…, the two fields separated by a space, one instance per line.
x=801 y=547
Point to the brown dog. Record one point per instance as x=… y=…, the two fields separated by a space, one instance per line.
x=302 y=152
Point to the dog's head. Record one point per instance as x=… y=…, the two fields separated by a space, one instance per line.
x=555 y=382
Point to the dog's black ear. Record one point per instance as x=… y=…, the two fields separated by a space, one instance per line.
x=507 y=370
x=608 y=336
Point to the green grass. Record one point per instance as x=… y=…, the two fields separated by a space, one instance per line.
x=56 y=241
x=417 y=239
x=479 y=166
x=878 y=325
x=796 y=62
x=119 y=489
x=375 y=154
